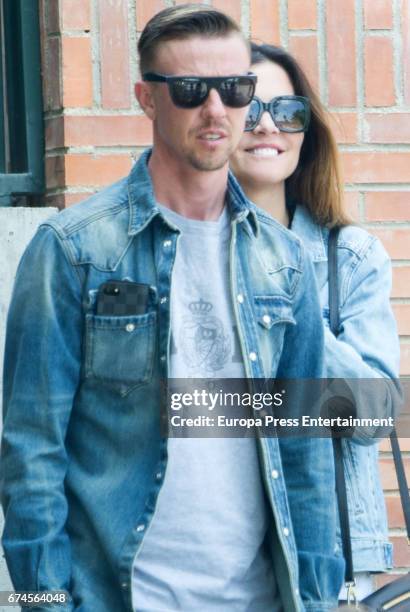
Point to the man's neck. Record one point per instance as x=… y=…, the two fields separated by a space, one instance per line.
x=196 y=194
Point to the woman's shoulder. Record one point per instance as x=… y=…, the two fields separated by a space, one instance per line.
x=355 y=241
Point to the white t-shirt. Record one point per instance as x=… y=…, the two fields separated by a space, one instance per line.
x=205 y=549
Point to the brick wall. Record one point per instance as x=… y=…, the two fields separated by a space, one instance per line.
x=357 y=53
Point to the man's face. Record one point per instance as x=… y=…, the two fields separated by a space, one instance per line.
x=205 y=136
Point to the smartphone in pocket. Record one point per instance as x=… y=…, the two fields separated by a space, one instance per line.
x=121 y=298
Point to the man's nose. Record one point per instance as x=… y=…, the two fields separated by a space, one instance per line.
x=213 y=105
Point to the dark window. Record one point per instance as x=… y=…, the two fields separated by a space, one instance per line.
x=21 y=119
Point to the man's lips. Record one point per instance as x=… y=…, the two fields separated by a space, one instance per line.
x=212 y=135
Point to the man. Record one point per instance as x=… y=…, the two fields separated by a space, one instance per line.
x=96 y=500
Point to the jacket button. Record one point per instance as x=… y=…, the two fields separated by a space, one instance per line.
x=163 y=300
x=275 y=474
x=130 y=327
x=124 y=585
x=253 y=356
x=141 y=527
x=266 y=319
x=167 y=243
x=285 y=531
x=240 y=298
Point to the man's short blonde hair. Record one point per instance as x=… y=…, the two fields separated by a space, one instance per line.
x=181 y=22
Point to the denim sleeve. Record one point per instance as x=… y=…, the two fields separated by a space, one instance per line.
x=41 y=375
x=367 y=347
x=308 y=462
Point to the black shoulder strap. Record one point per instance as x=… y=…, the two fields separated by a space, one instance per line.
x=333 y=281
x=334 y=317
x=402 y=480
x=341 y=494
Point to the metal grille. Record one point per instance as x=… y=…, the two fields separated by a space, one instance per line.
x=21 y=124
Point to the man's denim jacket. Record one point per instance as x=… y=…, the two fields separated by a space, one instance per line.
x=366 y=348
x=83 y=459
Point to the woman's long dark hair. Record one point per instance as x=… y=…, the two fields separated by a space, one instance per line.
x=316 y=181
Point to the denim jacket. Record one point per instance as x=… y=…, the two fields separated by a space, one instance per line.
x=367 y=347
x=83 y=460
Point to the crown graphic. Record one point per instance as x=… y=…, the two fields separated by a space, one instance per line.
x=200 y=307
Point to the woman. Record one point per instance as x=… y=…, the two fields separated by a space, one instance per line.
x=287 y=163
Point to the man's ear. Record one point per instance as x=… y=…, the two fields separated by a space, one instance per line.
x=143 y=93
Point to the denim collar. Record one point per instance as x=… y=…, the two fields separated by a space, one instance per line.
x=313 y=235
x=143 y=206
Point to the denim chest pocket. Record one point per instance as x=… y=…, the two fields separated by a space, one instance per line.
x=120 y=350
x=273 y=314
x=271 y=310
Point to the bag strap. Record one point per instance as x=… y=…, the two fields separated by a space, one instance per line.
x=402 y=480
x=337 y=442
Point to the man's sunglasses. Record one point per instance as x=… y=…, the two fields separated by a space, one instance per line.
x=192 y=91
x=289 y=113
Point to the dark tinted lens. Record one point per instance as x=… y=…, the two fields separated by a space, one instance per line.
x=252 y=117
x=188 y=93
x=290 y=115
x=237 y=91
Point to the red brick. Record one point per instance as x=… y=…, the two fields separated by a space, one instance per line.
x=77 y=72
x=402 y=314
x=265 y=21
x=302 y=14
x=405 y=60
x=114 y=43
x=344 y=127
x=394 y=512
x=52 y=75
x=382 y=579
x=388 y=473
x=146 y=10
x=54 y=132
x=55 y=172
x=230 y=7
x=304 y=48
x=341 y=51
x=100 y=131
x=401 y=551
x=376 y=167
x=64 y=200
x=351 y=201
x=396 y=242
x=404 y=359
x=75 y=14
x=388 y=127
x=379 y=79
x=74 y=198
x=378 y=14
x=52 y=16
x=388 y=206
x=404 y=444
x=95 y=170
x=401 y=282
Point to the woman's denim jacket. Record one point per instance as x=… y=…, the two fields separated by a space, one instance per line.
x=367 y=348
x=83 y=459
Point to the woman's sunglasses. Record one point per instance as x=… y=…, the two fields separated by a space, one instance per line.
x=192 y=91
x=289 y=113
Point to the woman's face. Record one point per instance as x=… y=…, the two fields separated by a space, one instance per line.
x=267 y=156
